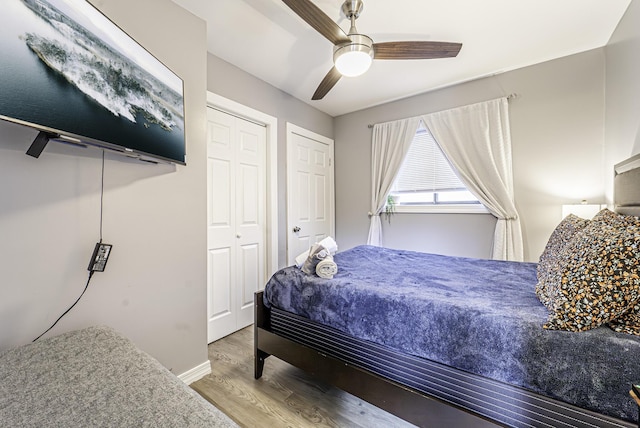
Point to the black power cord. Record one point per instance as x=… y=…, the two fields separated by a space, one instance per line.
x=90 y=270
x=70 y=307
x=101 y=194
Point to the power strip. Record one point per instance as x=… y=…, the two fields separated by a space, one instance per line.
x=99 y=257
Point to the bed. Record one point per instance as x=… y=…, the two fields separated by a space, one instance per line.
x=95 y=377
x=473 y=351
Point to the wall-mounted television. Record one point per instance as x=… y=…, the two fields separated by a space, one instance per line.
x=71 y=73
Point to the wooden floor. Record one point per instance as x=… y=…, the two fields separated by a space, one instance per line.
x=284 y=397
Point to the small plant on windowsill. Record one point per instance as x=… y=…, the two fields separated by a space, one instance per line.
x=390 y=208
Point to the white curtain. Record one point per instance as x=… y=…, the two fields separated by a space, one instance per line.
x=476 y=140
x=389 y=145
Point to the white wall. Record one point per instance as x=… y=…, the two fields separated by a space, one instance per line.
x=557 y=130
x=623 y=93
x=154 y=287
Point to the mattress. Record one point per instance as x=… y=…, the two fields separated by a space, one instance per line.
x=481 y=316
x=96 y=377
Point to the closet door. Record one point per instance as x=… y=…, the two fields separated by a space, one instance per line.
x=236 y=152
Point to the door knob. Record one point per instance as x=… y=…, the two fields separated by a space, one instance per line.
x=238 y=235
x=296 y=229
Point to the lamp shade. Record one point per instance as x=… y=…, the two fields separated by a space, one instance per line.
x=583 y=210
x=353 y=59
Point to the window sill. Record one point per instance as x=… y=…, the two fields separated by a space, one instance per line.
x=442 y=209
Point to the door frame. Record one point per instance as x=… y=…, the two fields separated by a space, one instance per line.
x=292 y=129
x=271 y=124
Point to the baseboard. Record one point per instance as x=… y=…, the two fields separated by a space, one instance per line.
x=196 y=373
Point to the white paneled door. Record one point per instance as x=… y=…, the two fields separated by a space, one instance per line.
x=310 y=190
x=236 y=152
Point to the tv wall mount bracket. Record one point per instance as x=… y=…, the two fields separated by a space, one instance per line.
x=40 y=143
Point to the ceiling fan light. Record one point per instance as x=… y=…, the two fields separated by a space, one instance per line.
x=353 y=59
x=353 y=63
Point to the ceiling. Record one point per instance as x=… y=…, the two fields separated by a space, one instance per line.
x=268 y=40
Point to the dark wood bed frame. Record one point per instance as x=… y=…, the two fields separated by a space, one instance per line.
x=419 y=391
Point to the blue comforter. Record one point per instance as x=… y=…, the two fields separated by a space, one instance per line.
x=477 y=315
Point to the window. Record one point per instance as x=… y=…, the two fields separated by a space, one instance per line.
x=426 y=181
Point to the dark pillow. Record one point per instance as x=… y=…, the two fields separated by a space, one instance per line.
x=549 y=268
x=599 y=275
x=629 y=322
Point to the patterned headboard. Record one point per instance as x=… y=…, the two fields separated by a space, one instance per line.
x=626 y=185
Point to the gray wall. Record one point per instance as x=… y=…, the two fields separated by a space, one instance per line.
x=557 y=130
x=235 y=84
x=622 y=130
x=154 y=287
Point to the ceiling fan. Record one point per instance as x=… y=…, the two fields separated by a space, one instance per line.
x=353 y=52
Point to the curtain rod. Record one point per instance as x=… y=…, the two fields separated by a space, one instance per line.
x=509 y=98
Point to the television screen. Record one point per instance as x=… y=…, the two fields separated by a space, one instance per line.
x=67 y=69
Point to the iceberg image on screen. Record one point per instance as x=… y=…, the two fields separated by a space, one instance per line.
x=68 y=68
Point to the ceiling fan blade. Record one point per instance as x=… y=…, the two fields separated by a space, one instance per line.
x=415 y=50
x=327 y=83
x=315 y=17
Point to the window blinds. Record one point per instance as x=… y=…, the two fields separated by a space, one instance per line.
x=425 y=169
